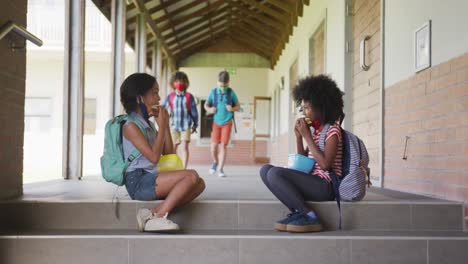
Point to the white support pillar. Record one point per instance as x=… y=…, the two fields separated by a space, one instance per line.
x=168 y=75
x=118 y=18
x=73 y=89
x=140 y=43
x=157 y=60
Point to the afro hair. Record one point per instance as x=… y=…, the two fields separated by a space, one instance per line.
x=324 y=96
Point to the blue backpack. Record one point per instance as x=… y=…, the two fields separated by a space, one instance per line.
x=355 y=172
x=228 y=100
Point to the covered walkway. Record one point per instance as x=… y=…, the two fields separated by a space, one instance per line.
x=402 y=65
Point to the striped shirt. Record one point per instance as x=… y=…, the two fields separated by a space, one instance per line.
x=337 y=164
x=181 y=120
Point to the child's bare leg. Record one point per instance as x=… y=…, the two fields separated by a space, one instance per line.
x=222 y=155
x=214 y=152
x=174 y=186
x=194 y=193
x=185 y=153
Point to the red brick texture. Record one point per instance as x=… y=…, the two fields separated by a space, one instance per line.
x=366 y=103
x=239 y=154
x=432 y=109
x=12 y=93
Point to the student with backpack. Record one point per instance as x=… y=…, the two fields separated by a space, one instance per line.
x=133 y=148
x=322 y=104
x=222 y=102
x=183 y=112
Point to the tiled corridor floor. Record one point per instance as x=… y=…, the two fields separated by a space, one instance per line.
x=242 y=183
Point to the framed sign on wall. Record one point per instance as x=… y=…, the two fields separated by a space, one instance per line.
x=422 y=47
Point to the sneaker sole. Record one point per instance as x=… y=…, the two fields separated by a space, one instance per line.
x=141 y=226
x=163 y=230
x=211 y=171
x=281 y=227
x=303 y=229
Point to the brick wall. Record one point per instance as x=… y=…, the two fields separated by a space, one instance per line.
x=432 y=109
x=12 y=93
x=239 y=154
x=366 y=84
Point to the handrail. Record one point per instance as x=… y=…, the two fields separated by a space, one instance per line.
x=362 y=58
x=10 y=26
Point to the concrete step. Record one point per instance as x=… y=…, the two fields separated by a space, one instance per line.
x=389 y=215
x=233 y=246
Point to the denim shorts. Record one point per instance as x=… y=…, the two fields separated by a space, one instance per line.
x=141 y=185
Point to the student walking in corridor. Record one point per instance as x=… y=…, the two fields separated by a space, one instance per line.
x=184 y=114
x=222 y=102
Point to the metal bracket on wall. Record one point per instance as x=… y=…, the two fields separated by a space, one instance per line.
x=362 y=57
x=349 y=9
x=405 y=156
x=21 y=31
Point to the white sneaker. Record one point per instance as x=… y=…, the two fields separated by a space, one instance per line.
x=157 y=224
x=221 y=173
x=143 y=216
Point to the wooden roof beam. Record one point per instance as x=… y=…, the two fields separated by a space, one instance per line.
x=200 y=40
x=195 y=14
x=254 y=36
x=260 y=28
x=190 y=27
x=300 y=8
x=200 y=46
x=140 y=5
x=252 y=48
x=282 y=5
x=258 y=16
x=260 y=19
x=197 y=34
x=152 y=7
x=255 y=41
x=170 y=23
x=283 y=35
x=273 y=13
x=177 y=11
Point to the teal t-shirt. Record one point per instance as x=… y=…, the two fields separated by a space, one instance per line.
x=222 y=115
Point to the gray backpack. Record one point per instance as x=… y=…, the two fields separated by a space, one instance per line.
x=355 y=171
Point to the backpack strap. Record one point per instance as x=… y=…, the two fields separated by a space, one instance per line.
x=323 y=137
x=135 y=152
x=335 y=181
x=336 y=190
x=188 y=103
x=215 y=97
x=228 y=96
x=229 y=99
x=171 y=100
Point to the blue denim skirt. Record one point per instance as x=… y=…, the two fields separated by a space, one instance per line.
x=141 y=185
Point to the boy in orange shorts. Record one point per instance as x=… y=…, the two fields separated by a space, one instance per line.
x=222 y=102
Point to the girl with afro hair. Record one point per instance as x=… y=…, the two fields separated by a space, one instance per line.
x=322 y=103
